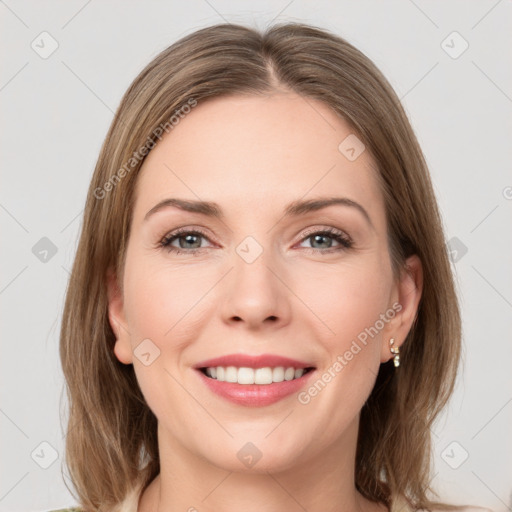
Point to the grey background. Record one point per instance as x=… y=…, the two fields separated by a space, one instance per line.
x=55 y=112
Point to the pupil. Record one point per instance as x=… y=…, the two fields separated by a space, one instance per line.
x=320 y=237
x=189 y=239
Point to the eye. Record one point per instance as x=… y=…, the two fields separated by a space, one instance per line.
x=324 y=238
x=188 y=240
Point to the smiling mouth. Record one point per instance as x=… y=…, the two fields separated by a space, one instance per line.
x=260 y=376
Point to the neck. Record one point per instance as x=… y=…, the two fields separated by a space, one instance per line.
x=322 y=482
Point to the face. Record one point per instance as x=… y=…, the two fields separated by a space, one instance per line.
x=259 y=279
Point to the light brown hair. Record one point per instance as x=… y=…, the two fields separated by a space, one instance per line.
x=111 y=443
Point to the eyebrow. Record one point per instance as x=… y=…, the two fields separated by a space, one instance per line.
x=296 y=208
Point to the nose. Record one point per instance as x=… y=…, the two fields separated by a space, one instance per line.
x=255 y=294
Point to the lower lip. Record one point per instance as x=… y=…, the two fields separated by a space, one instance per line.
x=255 y=395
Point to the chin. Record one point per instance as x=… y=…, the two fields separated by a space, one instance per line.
x=258 y=456
x=264 y=465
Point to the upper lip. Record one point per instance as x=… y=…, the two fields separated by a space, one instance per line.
x=248 y=361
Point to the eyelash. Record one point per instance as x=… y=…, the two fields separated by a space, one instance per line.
x=344 y=240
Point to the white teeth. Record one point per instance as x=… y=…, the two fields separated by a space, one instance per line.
x=263 y=376
x=245 y=375
x=231 y=374
x=278 y=374
x=289 y=374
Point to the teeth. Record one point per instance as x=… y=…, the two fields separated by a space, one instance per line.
x=245 y=375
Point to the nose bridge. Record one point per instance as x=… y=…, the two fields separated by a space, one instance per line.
x=255 y=293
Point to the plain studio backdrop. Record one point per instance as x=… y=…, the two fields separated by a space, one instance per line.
x=65 y=66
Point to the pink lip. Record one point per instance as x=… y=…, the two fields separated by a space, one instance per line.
x=255 y=395
x=246 y=361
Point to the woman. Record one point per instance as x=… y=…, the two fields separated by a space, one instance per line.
x=261 y=314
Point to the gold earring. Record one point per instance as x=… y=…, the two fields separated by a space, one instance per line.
x=396 y=351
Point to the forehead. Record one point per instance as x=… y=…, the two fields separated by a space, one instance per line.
x=249 y=153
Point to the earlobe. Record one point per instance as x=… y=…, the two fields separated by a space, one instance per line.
x=122 y=352
x=122 y=347
x=410 y=288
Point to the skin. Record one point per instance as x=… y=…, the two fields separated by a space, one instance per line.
x=253 y=155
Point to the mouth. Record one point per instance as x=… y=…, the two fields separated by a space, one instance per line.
x=254 y=376
x=255 y=387
x=254 y=380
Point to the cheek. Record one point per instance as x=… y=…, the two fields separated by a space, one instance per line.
x=347 y=300
x=162 y=305
x=162 y=300
x=350 y=305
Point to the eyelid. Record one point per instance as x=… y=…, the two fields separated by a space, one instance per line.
x=344 y=240
x=328 y=229
x=175 y=233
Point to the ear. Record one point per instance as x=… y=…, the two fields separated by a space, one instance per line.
x=116 y=316
x=406 y=298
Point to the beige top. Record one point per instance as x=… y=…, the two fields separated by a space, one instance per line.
x=131 y=502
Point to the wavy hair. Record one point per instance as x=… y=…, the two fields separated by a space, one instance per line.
x=111 y=442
